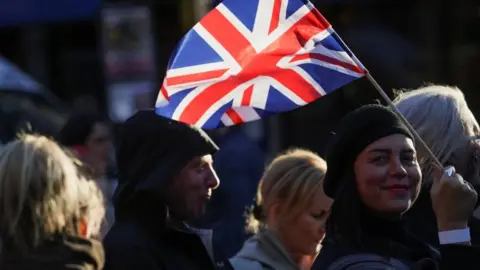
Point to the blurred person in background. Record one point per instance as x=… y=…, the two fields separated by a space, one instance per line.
x=143 y=100
x=48 y=211
x=290 y=215
x=89 y=136
x=239 y=164
x=86 y=104
x=166 y=178
x=442 y=118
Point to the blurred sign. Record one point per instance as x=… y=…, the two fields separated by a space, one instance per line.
x=127 y=41
x=129 y=59
x=126 y=98
x=14 y=12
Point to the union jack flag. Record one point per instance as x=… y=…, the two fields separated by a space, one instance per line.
x=250 y=58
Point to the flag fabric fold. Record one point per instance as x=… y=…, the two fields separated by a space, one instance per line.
x=247 y=59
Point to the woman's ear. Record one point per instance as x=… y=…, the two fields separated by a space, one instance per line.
x=83 y=227
x=272 y=214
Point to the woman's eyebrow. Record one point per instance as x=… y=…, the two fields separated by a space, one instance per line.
x=387 y=150
x=380 y=150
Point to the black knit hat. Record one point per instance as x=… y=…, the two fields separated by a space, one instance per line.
x=356 y=131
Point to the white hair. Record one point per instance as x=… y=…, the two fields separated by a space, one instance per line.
x=440 y=115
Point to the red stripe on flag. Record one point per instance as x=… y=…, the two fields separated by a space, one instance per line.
x=277 y=5
x=264 y=63
x=234 y=116
x=247 y=96
x=229 y=36
x=329 y=60
x=206 y=99
x=297 y=36
x=164 y=92
x=196 y=77
x=298 y=85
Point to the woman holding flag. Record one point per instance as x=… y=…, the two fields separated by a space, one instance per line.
x=374 y=177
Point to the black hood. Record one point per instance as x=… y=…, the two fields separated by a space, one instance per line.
x=151 y=149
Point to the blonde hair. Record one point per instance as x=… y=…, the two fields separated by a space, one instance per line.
x=92 y=206
x=441 y=117
x=292 y=179
x=42 y=194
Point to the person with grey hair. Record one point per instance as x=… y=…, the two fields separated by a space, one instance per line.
x=50 y=214
x=442 y=118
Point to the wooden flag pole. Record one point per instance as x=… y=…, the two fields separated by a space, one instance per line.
x=390 y=103
x=405 y=121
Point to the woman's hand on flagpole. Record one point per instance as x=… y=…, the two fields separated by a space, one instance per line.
x=453 y=199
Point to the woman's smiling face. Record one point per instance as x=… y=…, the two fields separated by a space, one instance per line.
x=388 y=175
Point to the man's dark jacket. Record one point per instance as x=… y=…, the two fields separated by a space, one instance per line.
x=150 y=151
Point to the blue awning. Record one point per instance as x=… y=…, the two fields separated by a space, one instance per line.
x=16 y=12
x=216 y=2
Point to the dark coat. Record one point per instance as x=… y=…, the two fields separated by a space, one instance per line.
x=150 y=151
x=389 y=245
x=382 y=244
x=59 y=254
x=144 y=242
x=239 y=165
x=453 y=257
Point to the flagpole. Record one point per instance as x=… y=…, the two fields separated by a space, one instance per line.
x=389 y=102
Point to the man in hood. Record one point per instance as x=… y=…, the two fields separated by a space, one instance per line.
x=165 y=177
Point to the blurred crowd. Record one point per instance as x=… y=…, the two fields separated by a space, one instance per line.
x=155 y=193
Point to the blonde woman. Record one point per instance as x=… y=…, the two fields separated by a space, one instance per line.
x=442 y=118
x=48 y=211
x=295 y=208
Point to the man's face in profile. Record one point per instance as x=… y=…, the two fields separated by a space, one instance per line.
x=192 y=188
